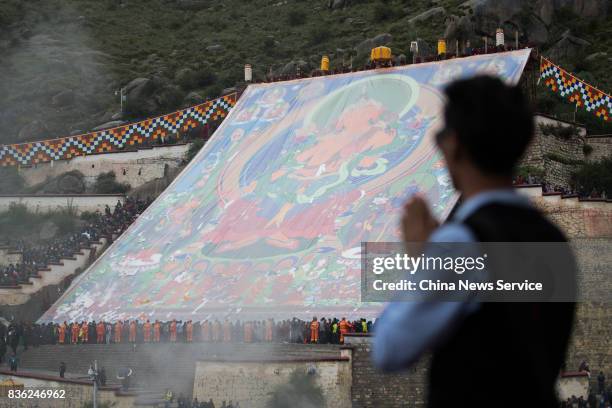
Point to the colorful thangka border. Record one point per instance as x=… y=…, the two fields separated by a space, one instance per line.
x=268 y=219
x=115 y=139
x=575 y=90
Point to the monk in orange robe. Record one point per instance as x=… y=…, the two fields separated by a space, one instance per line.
x=146 y=327
x=173 y=331
x=156 y=331
x=344 y=327
x=62 y=333
x=132 y=336
x=314 y=330
x=118 y=329
x=189 y=330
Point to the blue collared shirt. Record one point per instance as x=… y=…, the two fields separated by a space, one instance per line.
x=406 y=330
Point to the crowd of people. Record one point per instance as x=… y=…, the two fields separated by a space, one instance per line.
x=529 y=179
x=34 y=258
x=324 y=330
x=183 y=402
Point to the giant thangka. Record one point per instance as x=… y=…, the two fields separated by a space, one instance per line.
x=268 y=219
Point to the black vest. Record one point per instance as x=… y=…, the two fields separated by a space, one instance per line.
x=505 y=354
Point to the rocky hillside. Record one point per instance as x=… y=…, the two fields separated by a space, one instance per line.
x=63 y=61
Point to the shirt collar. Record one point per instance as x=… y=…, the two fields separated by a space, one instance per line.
x=503 y=196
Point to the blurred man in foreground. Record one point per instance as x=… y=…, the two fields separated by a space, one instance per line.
x=484 y=354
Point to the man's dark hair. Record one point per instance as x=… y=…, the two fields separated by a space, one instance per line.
x=493 y=122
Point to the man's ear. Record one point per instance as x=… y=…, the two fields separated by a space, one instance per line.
x=450 y=147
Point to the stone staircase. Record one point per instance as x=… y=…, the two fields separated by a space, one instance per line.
x=158 y=367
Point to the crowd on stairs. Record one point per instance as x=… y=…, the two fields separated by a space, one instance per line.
x=36 y=258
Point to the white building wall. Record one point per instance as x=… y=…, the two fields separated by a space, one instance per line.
x=133 y=167
x=47 y=203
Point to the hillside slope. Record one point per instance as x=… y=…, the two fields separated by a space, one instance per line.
x=64 y=61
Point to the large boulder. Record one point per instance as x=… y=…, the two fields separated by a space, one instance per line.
x=536 y=30
x=215 y=48
x=458 y=28
x=366 y=45
x=382 y=39
x=34 y=130
x=292 y=67
x=62 y=99
x=337 y=4
x=109 y=125
x=185 y=78
x=168 y=97
x=568 y=46
x=71 y=183
x=48 y=230
x=193 y=98
x=491 y=13
x=588 y=9
x=140 y=96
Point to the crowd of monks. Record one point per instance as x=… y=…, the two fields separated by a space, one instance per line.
x=134 y=331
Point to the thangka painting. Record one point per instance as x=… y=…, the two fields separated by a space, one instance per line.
x=269 y=217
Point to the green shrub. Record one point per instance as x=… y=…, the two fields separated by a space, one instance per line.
x=11 y=181
x=318 y=35
x=587 y=149
x=561 y=131
x=106 y=183
x=525 y=171
x=595 y=175
x=296 y=17
x=382 y=12
x=194 y=148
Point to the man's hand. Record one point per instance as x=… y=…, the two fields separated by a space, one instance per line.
x=417 y=223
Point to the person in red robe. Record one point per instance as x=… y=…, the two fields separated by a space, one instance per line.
x=100 y=333
x=132 y=337
x=173 y=331
x=146 y=328
x=118 y=329
x=156 y=331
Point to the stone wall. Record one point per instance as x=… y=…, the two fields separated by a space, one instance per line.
x=372 y=388
x=578 y=219
x=552 y=154
x=9 y=256
x=577 y=384
x=46 y=203
x=587 y=221
x=251 y=382
x=602 y=146
x=77 y=393
x=133 y=167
